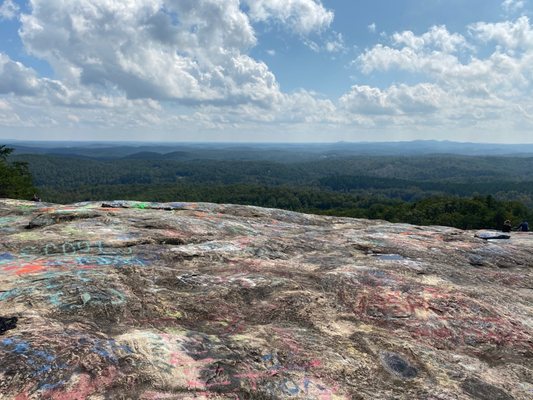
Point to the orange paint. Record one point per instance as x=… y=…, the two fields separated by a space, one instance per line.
x=26 y=269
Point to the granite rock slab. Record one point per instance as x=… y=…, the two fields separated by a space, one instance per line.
x=132 y=300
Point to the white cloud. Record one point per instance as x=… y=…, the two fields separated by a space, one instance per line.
x=372 y=27
x=187 y=51
x=8 y=10
x=131 y=64
x=396 y=100
x=16 y=78
x=19 y=80
x=438 y=38
x=185 y=65
x=302 y=16
x=4 y=105
x=437 y=54
x=509 y=35
x=513 y=5
x=460 y=87
x=335 y=44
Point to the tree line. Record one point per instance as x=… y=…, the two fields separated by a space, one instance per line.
x=469 y=197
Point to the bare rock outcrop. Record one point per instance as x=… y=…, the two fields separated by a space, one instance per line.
x=127 y=300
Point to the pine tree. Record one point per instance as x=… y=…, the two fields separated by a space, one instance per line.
x=15 y=177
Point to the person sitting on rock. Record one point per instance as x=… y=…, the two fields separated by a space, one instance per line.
x=523 y=227
x=507 y=226
x=36 y=198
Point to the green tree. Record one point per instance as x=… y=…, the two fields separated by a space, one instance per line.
x=15 y=177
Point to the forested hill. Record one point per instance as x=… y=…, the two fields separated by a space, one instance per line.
x=460 y=191
x=448 y=174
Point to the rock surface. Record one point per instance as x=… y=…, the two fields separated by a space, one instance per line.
x=203 y=301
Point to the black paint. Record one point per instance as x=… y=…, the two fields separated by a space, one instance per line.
x=7 y=324
x=399 y=366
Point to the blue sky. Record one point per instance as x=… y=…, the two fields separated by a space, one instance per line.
x=267 y=70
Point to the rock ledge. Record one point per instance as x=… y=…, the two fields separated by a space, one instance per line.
x=204 y=301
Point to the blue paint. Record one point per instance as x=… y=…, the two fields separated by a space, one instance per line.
x=109 y=348
x=5 y=258
x=21 y=348
x=55 y=299
x=291 y=391
x=44 y=369
x=42 y=364
x=46 y=356
x=104 y=353
x=51 y=386
x=115 y=261
x=10 y=294
x=390 y=257
x=178 y=206
x=306 y=384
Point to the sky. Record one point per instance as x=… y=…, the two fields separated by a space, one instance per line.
x=267 y=70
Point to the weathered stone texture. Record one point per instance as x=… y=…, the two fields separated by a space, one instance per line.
x=203 y=301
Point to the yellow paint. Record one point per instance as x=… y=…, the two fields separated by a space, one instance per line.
x=175 y=314
x=27 y=236
x=434 y=281
x=364 y=328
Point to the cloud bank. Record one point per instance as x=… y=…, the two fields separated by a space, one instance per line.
x=186 y=65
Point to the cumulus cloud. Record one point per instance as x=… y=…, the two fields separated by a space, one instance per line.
x=9 y=10
x=396 y=100
x=302 y=16
x=146 y=57
x=438 y=38
x=438 y=55
x=458 y=87
x=513 y=5
x=435 y=51
x=162 y=64
x=19 y=80
x=16 y=78
x=187 y=51
x=517 y=35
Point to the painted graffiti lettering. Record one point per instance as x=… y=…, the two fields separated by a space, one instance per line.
x=75 y=249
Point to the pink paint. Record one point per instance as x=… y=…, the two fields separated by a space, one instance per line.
x=22 y=396
x=85 y=386
x=315 y=363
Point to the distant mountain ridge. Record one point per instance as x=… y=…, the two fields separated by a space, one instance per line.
x=264 y=151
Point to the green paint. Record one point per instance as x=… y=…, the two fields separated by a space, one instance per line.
x=85 y=297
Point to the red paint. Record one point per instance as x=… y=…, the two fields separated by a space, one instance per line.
x=25 y=269
x=85 y=386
